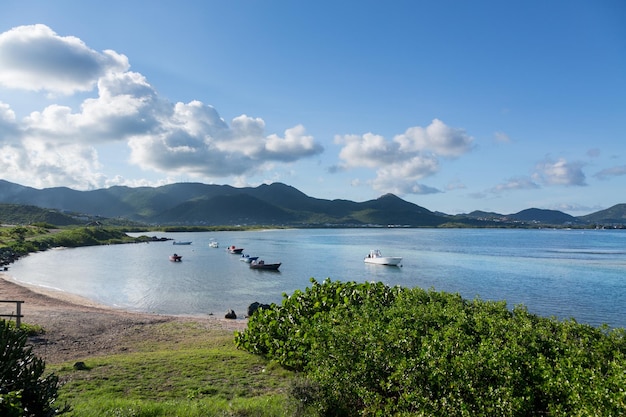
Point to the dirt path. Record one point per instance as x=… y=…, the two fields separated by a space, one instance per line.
x=76 y=328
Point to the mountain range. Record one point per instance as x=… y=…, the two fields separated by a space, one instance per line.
x=276 y=204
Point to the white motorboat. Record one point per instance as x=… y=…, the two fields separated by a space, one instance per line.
x=247 y=258
x=214 y=244
x=376 y=257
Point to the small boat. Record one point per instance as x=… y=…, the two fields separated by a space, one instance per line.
x=213 y=244
x=247 y=258
x=180 y=243
x=176 y=257
x=234 y=249
x=376 y=257
x=262 y=265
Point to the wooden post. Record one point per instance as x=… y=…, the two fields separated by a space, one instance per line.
x=18 y=310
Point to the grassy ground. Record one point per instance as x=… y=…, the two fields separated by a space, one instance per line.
x=184 y=371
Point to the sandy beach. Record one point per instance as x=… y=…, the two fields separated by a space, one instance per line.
x=76 y=328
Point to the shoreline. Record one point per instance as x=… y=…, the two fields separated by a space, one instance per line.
x=80 y=301
x=76 y=328
x=53 y=293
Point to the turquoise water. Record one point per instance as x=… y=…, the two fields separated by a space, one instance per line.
x=562 y=273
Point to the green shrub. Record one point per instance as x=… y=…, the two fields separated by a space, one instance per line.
x=368 y=349
x=24 y=390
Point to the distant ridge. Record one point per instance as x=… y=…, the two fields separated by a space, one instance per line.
x=275 y=204
x=545 y=216
x=612 y=215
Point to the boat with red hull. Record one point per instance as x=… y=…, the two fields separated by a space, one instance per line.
x=235 y=250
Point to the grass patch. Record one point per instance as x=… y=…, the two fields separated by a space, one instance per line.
x=184 y=370
x=270 y=406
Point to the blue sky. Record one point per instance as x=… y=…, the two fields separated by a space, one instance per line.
x=453 y=105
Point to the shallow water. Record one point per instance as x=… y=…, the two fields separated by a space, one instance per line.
x=562 y=273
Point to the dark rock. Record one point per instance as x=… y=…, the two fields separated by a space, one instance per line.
x=80 y=366
x=255 y=306
x=230 y=315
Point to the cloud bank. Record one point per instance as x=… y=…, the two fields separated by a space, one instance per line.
x=59 y=145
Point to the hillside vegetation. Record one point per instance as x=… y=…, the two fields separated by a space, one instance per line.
x=196 y=204
x=368 y=349
x=17 y=241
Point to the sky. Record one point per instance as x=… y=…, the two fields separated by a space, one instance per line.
x=455 y=106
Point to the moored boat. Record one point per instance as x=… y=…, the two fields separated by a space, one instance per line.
x=180 y=243
x=247 y=258
x=262 y=265
x=213 y=244
x=376 y=257
x=234 y=249
x=176 y=258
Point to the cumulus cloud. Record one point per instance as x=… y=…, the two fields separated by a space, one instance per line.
x=294 y=145
x=437 y=138
x=36 y=58
x=9 y=129
x=368 y=150
x=58 y=145
x=400 y=163
x=560 y=172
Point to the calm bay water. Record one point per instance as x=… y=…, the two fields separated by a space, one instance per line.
x=562 y=273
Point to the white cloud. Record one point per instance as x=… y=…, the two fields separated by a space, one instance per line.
x=293 y=146
x=559 y=172
x=405 y=160
x=44 y=166
x=36 y=58
x=9 y=129
x=58 y=144
x=368 y=150
x=437 y=137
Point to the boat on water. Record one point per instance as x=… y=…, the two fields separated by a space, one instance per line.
x=234 y=249
x=247 y=258
x=214 y=244
x=262 y=265
x=178 y=242
x=377 y=258
x=176 y=258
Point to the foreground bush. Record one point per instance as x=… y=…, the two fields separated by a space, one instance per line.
x=369 y=349
x=24 y=390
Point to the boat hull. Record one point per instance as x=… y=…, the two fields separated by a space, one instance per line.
x=235 y=250
x=384 y=260
x=267 y=267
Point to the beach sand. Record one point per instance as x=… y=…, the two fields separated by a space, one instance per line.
x=77 y=328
